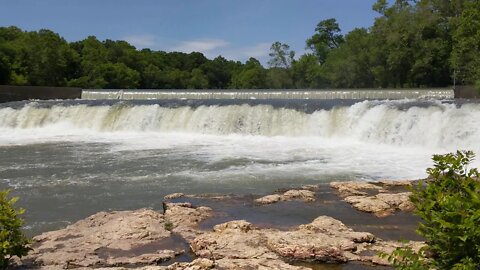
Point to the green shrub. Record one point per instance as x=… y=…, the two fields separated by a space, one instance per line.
x=449 y=206
x=12 y=241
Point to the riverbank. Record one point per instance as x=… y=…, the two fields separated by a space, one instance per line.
x=315 y=226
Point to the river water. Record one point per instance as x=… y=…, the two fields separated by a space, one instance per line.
x=69 y=159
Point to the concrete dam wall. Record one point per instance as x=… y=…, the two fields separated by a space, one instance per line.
x=268 y=94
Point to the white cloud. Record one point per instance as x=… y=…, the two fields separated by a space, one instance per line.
x=141 y=41
x=259 y=51
x=201 y=45
x=210 y=47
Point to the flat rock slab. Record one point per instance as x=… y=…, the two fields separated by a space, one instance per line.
x=375 y=198
x=323 y=240
x=290 y=195
x=183 y=218
x=106 y=239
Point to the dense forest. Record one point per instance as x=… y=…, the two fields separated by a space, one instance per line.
x=412 y=43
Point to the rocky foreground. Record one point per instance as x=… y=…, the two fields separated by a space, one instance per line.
x=176 y=239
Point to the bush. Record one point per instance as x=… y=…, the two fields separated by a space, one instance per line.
x=449 y=206
x=12 y=241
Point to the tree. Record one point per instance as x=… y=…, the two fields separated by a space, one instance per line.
x=325 y=39
x=349 y=66
x=152 y=77
x=12 y=240
x=280 y=56
x=465 y=56
x=252 y=76
x=307 y=72
x=198 y=80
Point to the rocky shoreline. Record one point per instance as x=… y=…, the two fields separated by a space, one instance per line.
x=344 y=224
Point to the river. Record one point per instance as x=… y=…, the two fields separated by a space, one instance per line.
x=69 y=159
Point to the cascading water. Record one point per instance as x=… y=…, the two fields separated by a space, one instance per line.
x=444 y=126
x=69 y=159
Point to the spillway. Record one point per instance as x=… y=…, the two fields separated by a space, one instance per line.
x=360 y=94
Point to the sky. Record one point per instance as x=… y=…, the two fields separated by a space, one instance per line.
x=235 y=29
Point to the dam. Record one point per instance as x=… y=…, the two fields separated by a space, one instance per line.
x=359 y=94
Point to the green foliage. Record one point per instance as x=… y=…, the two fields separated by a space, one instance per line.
x=280 y=55
x=168 y=225
x=449 y=206
x=466 y=44
x=412 y=43
x=252 y=76
x=325 y=39
x=12 y=240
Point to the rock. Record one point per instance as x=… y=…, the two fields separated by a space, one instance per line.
x=311 y=187
x=382 y=204
x=371 y=253
x=106 y=239
x=396 y=183
x=260 y=264
x=294 y=194
x=269 y=199
x=234 y=264
x=352 y=188
x=173 y=196
x=184 y=218
x=325 y=240
x=232 y=240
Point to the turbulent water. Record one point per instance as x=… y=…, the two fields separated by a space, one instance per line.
x=70 y=159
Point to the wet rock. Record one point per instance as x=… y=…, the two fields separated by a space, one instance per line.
x=232 y=240
x=396 y=183
x=346 y=189
x=105 y=239
x=234 y=264
x=324 y=240
x=371 y=253
x=383 y=204
x=294 y=194
x=260 y=264
x=311 y=187
x=173 y=196
x=375 y=198
x=184 y=218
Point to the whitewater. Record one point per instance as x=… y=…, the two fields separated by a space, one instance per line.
x=70 y=159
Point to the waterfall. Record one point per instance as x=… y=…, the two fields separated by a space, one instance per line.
x=437 y=125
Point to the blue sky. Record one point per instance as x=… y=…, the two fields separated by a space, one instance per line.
x=235 y=29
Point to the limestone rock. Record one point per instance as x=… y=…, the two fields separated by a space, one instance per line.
x=325 y=239
x=382 y=204
x=294 y=194
x=173 y=196
x=106 y=239
x=184 y=218
x=232 y=240
x=353 y=188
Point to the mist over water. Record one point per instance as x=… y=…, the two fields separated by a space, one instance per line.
x=70 y=159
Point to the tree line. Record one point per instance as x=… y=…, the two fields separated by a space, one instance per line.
x=412 y=43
